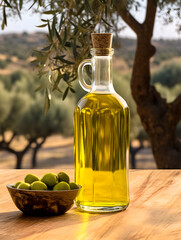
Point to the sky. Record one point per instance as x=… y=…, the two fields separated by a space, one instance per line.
x=30 y=21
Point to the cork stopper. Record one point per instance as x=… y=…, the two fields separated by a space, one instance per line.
x=102 y=40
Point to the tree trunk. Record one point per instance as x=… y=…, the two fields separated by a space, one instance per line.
x=19 y=158
x=35 y=151
x=19 y=154
x=34 y=157
x=158 y=117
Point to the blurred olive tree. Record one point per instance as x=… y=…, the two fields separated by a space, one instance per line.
x=169 y=75
x=21 y=113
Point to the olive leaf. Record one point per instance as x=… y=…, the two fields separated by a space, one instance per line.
x=65 y=36
x=106 y=22
x=42 y=26
x=47 y=101
x=3 y=25
x=20 y=4
x=40 y=3
x=46 y=48
x=61 y=21
x=65 y=93
x=38 y=88
x=63 y=60
x=4 y=16
x=49 y=12
x=55 y=86
x=50 y=32
x=88 y=6
x=58 y=36
x=72 y=90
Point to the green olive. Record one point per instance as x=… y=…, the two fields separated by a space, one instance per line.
x=61 y=186
x=24 y=186
x=30 y=178
x=50 y=179
x=73 y=185
x=62 y=176
x=38 y=185
x=18 y=183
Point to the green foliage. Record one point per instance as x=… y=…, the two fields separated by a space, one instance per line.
x=166 y=49
x=25 y=83
x=21 y=81
x=168 y=93
x=3 y=64
x=16 y=76
x=21 y=110
x=57 y=120
x=5 y=106
x=18 y=104
x=11 y=109
x=9 y=80
x=168 y=75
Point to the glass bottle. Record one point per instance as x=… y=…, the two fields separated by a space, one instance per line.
x=101 y=136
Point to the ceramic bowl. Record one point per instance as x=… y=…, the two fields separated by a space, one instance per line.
x=39 y=202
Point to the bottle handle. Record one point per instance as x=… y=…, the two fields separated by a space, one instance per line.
x=82 y=82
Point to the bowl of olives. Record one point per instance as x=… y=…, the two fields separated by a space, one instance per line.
x=52 y=194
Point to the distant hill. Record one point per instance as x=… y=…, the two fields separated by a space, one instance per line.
x=165 y=49
x=21 y=46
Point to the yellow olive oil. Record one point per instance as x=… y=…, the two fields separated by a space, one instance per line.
x=101 y=151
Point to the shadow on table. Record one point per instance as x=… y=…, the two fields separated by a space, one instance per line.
x=17 y=225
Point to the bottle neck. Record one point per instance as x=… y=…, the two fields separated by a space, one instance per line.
x=102 y=74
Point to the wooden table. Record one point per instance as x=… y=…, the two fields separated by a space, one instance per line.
x=154 y=212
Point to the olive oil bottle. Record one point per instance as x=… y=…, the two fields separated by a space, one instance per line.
x=101 y=136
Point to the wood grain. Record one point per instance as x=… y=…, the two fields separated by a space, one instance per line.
x=154 y=212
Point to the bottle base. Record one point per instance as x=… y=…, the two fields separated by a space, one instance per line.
x=103 y=209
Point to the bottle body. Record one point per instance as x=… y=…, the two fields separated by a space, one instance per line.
x=101 y=152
